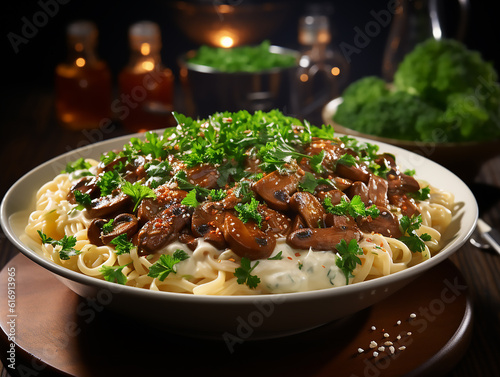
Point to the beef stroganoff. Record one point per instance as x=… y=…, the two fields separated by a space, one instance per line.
x=239 y=204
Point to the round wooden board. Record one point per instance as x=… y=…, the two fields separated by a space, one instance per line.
x=54 y=332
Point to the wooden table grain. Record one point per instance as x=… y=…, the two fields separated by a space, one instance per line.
x=30 y=136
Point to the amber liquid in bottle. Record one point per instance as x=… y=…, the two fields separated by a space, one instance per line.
x=146 y=86
x=147 y=97
x=83 y=83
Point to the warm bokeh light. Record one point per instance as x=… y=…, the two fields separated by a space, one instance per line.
x=80 y=62
x=304 y=77
x=335 y=71
x=79 y=47
x=145 y=49
x=226 y=41
x=148 y=66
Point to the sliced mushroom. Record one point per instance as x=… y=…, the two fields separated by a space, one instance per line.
x=105 y=206
x=208 y=222
x=204 y=175
x=124 y=223
x=86 y=185
x=95 y=230
x=308 y=207
x=322 y=238
x=400 y=183
x=386 y=224
x=354 y=172
x=246 y=239
x=276 y=188
x=274 y=222
x=377 y=191
x=163 y=229
x=165 y=197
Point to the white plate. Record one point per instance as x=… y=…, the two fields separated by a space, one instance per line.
x=235 y=318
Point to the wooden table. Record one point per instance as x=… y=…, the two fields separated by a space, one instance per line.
x=30 y=136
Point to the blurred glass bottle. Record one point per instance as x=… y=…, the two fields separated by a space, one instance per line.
x=146 y=86
x=414 y=22
x=82 y=82
x=322 y=69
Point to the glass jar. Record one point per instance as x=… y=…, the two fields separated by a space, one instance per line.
x=83 y=81
x=146 y=86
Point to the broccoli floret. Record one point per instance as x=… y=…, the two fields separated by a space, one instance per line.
x=434 y=70
x=442 y=92
x=396 y=115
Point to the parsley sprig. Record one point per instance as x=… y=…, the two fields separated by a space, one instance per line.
x=249 y=211
x=409 y=226
x=353 y=208
x=244 y=273
x=165 y=265
x=137 y=192
x=122 y=244
x=347 y=257
x=114 y=274
x=66 y=245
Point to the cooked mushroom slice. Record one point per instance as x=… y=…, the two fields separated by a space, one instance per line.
x=246 y=239
x=298 y=223
x=108 y=205
x=354 y=172
x=204 y=175
x=165 y=197
x=163 y=229
x=400 y=183
x=276 y=188
x=386 y=224
x=124 y=223
x=407 y=205
x=95 y=230
x=309 y=208
x=274 y=222
x=85 y=185
x=334 y=195
x=377 y=191
x=360 y=189
x=208 y=222
x=322 y=238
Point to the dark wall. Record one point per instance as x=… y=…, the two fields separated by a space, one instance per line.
x=31 y=59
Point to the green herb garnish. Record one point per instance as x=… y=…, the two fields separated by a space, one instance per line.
x=353 y=208
x=137 y=192
x=347 y=257
x=165 y=265
x=66 y=244
x=122 y=244
x=244 y=273
x=114 y=274
x=249 y=211
x=410 y=237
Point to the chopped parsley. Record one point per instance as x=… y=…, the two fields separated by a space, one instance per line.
x=244 y=273
x=190 y=200
x=278 y=256
x=108 y=227
x=66 y=245
x=409 y=226
x=353 y=208
x=114 y=274
x=79 y=164
x=217 y=195
x=108 y=182
x=249 y=211
x=137 y=192
x=347 y=257
x=122 y=244
x=83 y=200
x=422 y=194
x=165 y=265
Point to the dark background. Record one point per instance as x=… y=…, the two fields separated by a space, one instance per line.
x=33 y=64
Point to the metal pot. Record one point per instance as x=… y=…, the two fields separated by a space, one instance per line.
x=208 y=90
